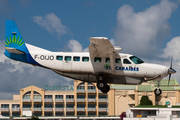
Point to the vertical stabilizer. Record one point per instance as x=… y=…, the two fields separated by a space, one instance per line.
x=13 y=38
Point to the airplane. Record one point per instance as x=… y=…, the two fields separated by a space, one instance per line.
x=102 y=64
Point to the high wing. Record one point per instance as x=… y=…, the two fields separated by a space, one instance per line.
x=102 y=47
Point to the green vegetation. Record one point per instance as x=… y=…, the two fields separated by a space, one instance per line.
x=145 y=101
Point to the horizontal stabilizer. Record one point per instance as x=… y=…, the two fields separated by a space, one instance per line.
x=14 y=50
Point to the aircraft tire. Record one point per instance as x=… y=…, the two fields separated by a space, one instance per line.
x=106 y=90
x=157 y=91
x=101 y=85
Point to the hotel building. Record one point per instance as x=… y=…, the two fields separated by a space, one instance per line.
x=85 y=99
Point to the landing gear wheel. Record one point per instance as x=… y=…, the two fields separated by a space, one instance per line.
x=106 y=90
x=157 y=91
x=101 y=85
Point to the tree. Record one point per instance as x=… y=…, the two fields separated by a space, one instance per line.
x=145 y=101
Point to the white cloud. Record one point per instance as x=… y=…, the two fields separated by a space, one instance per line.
x=75 y=46
x=112 y=41
x=143 y=32
x=172 y=49
x=51 y=23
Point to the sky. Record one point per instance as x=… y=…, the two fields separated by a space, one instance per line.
x=149 y=29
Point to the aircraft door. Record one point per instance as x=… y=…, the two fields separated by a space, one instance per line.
x=67 y=64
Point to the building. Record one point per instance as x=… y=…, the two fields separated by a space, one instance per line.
x=85 y=99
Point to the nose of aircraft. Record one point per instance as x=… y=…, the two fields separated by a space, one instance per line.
x=171 y=71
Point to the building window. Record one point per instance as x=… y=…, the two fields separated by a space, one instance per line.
x=36 y=95
x=37 y=105
x=59 y=105
x=102 y=96
x=4 y=105
x=91 y=105
x=107 y=60
x=97 y=59
x=48 y=105
x=102 y=113
x=80 y=96
x=15 y=113
x=59 y=96
x=102 y=105
x=48 y=97
x=70 y=113
x=59 y=58
x=85 y=59
x=81 y=105
x=80 y=113
x=81 y=87
x=27 y=95
x=69 y=105
x=67 y=58
x=91 y=113
x=48 y=114
x=15 y=105
x=5 y=113
x=76 y=58
x=38 y=113
x=91 y=87
x=69 y=96
x=26 y=105
x=91 y=96
x=59 y=113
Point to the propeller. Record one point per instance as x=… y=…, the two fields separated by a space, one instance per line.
x=170 y=71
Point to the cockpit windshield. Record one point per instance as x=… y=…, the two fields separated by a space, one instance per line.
x=136 y=60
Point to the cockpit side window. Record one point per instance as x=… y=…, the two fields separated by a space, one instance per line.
x=136 y=60
x=126 y=61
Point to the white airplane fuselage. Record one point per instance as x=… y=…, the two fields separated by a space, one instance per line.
x=84 y=69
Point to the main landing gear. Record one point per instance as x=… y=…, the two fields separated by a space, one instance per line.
x=158 y=91
x=103 y=86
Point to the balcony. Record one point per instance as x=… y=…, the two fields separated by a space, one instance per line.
x=80 y=99
x=80 y=90
x=91 y=109
x=37 y=109
x=69 y=99
x=48 y=109
x=15 y=109
x=48 y=100
x=4 y=109
x=91 y=90
x=91 y=100
x=102 y=109
x=59 y=100
x=26 y=100
x=37 y=100
x=102 y=100
x=26 y=109
x=59 y=109
x=70 y=109
x=80 y=109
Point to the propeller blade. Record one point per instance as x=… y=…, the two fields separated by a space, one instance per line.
x=171 y=63
x=169 y=79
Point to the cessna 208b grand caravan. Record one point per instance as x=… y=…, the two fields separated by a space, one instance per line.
x=102 y=64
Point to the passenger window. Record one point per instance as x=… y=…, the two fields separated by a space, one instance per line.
x=107 y=60
x=59 y=58
x=126 y=61
x=76 y=58
x=67 y=58
x=97 y=59
x=117 y=60
x=85 y=59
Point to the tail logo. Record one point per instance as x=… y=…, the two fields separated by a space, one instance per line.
x=15 y=41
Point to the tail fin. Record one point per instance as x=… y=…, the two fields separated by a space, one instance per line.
x=13 y=38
